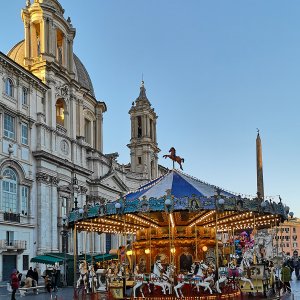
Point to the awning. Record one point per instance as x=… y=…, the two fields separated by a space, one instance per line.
x=103 y=257
x=46 y=259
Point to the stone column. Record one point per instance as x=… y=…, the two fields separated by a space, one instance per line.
x=154 y=131
x=42 y=36
x=27 y=39
x=99 y=131
x=65 y=52
x=33 y=40
x=43 y=209
x=144 y=121
x=54 y=215
x=46 y=37
x=80 y=120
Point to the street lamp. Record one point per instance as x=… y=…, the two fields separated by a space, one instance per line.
x=65 y=233
x=75 y=187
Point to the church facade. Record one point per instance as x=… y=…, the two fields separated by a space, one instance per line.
x=51 y=150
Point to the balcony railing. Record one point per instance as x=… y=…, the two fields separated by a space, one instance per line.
x=8 y=216
x=13 y=245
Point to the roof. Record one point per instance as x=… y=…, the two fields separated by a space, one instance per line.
x=47 y=259
x=17 y=54
x=178 y=185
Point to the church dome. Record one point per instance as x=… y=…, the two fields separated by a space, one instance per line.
x=81 y=74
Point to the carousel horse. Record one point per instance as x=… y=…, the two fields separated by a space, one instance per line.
x=234 y=272
x=82 y=275
x=167 y=277
x=101 y=274
x=181 y=281
x=156 y=278
x=210 y=274
x=199 y=276
x=174 y=157
x=92 y=279
x=139 y=282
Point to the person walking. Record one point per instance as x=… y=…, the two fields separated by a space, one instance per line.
x=286 y=277
x=36 y=276
x=14 y=282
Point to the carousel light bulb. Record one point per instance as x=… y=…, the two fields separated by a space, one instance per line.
x=147 y=251
x=173 y=250
x=118 y=205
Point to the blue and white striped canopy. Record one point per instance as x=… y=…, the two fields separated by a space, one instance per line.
x=178 y=185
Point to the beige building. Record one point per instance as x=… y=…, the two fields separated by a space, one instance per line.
x=51 y=125
x=288 y=237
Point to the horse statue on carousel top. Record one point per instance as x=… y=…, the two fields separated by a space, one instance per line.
x=174 y=157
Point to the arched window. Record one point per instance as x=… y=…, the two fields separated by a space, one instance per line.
x=24 y=96
x=9 y=191
x=9 y=87
x=60 y=112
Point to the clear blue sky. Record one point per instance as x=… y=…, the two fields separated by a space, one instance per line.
x=214 y=71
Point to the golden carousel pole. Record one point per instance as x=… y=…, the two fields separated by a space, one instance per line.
x=216 y=240
x=196 y=242
x=150 y=249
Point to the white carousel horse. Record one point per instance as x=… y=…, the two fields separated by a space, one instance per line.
x=199 y=276
x=82 y=275
x=139 y=282
x=100 y=273
x=92 y=279
x=156 y=277
x=181 y=281
x=167 y=277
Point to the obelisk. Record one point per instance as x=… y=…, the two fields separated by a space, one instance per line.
x=259 y=167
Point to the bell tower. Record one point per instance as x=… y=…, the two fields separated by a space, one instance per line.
x=143 y=143
x=48 y=38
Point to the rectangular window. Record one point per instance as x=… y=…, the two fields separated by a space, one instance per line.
x=24 y=201
x=139 y=160
x=294 y=230
x=288 y=245
x=25 y=262
x=64 y=207
x=9 y=126
x=9 y=196
x=87 y=131
x=24 y=134
x=9 y=238
x=24 y=95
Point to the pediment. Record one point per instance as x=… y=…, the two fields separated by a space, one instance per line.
x=114 y=182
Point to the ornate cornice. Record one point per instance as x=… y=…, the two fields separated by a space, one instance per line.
x=46 y=178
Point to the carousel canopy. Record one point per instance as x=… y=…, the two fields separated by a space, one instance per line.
x=177 y=184
x=189 y=201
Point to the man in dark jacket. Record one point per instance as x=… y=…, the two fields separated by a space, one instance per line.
x=30 y=273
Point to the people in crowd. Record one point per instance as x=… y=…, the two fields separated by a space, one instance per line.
x=48 y=284
x=29 y=282
x=30 y=273
x=286 y=277
x=36 y=276
x=14 y=282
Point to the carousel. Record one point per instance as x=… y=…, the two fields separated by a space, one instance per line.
x=185 y=238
